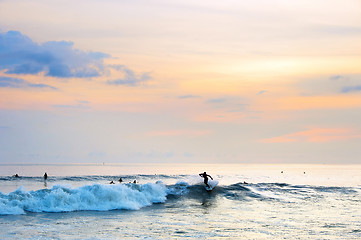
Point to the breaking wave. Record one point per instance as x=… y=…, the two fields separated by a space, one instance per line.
x=95 y=197
x=129 y=196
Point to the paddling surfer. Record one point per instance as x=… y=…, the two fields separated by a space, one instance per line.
x=205 y=176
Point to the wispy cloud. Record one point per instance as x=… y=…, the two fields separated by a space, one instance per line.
x=76 y=106
x=21 y=83
x=316 y=135
x=261 y=92
x=217 y=100
x=327 y=85
x=337 y=77
x=129 y=77
x=188 y=96
x=79 y=105
x=239 y=108
x=20 y=55
x=351 y=89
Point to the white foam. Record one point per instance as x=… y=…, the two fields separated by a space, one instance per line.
x=90 y=197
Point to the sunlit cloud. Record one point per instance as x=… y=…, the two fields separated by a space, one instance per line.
x=316 y=135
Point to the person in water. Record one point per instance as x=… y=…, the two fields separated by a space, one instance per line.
x=205 y=176
x=45 y=176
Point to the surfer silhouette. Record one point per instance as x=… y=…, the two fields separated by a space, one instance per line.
x=205 y=176
x=45 y=176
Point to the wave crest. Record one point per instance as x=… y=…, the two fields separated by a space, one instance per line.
x=96 y=197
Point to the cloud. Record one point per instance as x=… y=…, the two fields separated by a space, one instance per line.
x=129 y=78
x=239 y=108
x=81 y=105
x=217 y=100
x=336 y=77
x=20 y=83
x=20 y=55
x=351 y=89
x=316 y=135
x=188 y=96
x=326 y=86
x=261 y=92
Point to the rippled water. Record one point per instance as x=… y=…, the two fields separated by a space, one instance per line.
x=169 y=201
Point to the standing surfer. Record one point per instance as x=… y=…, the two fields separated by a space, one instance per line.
x=205 y=176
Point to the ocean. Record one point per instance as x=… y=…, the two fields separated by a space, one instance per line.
x=169 y=201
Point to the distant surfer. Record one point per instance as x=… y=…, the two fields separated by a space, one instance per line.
x=205 y=176
x=111 y=182
x=120 y=180
x=45 y=176
x=16 y=175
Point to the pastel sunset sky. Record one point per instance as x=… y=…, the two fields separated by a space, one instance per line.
x=233 y=81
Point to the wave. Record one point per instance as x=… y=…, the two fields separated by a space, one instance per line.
x=95 y=197
x=128 y=196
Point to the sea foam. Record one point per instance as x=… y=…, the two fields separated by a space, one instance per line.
x=96 y=197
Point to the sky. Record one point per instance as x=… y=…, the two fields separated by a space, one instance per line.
x=234 y=81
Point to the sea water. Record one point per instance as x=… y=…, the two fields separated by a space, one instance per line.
x=169 y=201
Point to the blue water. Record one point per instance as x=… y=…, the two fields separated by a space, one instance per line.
x=177 y=206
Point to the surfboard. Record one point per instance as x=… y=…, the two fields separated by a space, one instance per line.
x=212 y=184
